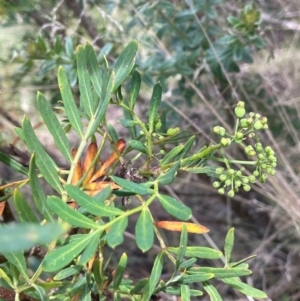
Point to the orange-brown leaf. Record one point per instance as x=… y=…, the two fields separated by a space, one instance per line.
x=78 y=170
x=100 y=185
x=2 y=207
x=90 y=155
x=177 y=226
x=113 y=157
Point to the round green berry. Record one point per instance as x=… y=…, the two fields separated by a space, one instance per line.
x=216 y=184
x=221 y=190
x=257 y=125
x=247 y=187
x=231 y=193
x=173 y=131
x=239 y=112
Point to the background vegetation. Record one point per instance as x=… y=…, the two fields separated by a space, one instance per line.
x=207 y=55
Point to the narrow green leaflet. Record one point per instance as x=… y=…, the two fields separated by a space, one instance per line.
x=54 y=127
x=194 y=278
x=222 y=272
x=69 y=102
x=120 y=271
x=244 y=288
x=154 y=105
x=144 y=233
x=212 y=292
x=62 y=256
x=24 y=211
x=229 y=241
x=112 y=132
x=199 y=252
x=131 y=186
x=41 y=291
x=182 y=246
x=44 y=162
x=169 y=176
x=185 y=292
x=177 y=291
x=70 y=215
x=38 y=194
x=13 y=164
x=20 y=133
x=127 y=123
x=125 y=63
x=188 y=263
x=90 y=249
x=132 y=130
x=172 y=154
x=5 y=277
x=93 y=68
x=92 y=205
x=85 y=294
x=175 y=208
x=67 y=272
x=138 y=145
x=154 y=277
x=115 y=233
x=18 y=260
x=134 y=88
x=101 y=110
x=20 y=237
x=85 y=88
x=187 y=147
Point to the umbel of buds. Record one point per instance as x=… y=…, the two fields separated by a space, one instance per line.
x=262 y=158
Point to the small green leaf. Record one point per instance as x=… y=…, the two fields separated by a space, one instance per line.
x=44 y=162
x=62 y=256
x=169 y=176
x=188 y=263
x=93 y=205
x=194 y=278
x=90 y=249
x=185 y=292
x=229 y=241
x=20 y=133
x=222 y=272
x=144 y=230
x=54 y=127
x=70 y=215
x=139 y=286
x=212 y=292
x=41 y=292
x=101 y=110
x=175 y=208
x=5 y=277
x=24 y=211
x=38 y=194
x=131 y=186
x=187 y=147
x=124 y=63
x=138 y=145
x=154 y=277
x=244 y=288
x=120 y=271
x=13 y=164
x=154 y=105
x=134 y=88
x=172 y=154
x=85 y=88
x=20 y=237
x=69 y=102
x=132 y=130
x=127 y=123
x=112 y=132
x=18 y=260
x=93 y=68
x=115 y=233
x=182 y=246
x=67 y=272
x=177 y=292
x=199 y=252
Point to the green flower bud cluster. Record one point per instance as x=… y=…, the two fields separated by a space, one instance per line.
x=254 y=122
x=266 y=162
x=231 y=181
